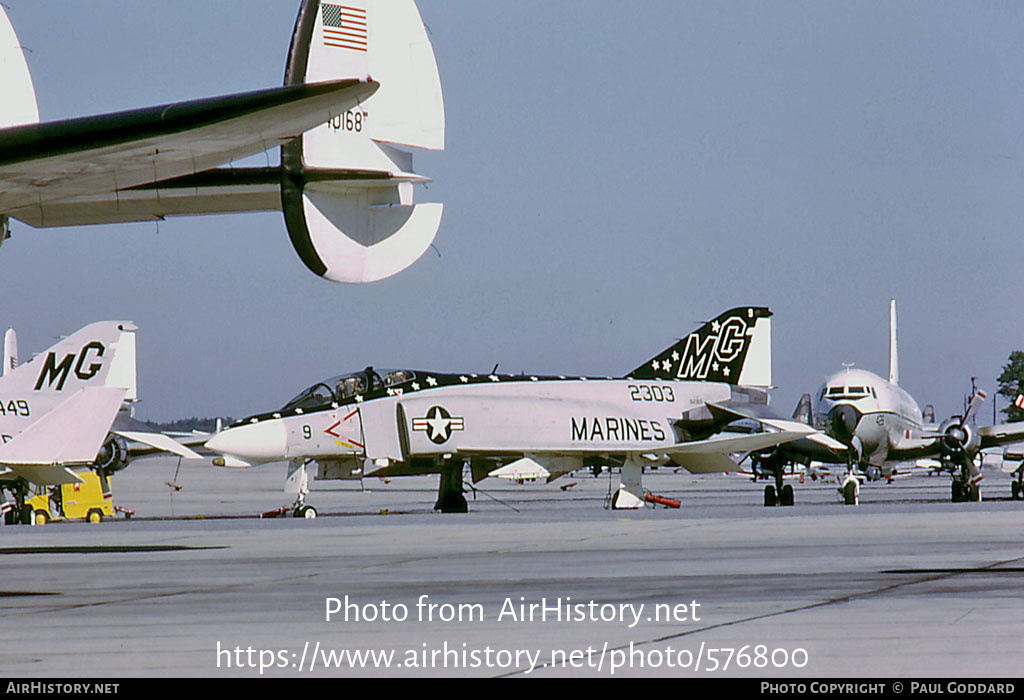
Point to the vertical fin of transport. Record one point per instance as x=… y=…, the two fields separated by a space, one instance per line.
x=17 y=93
x=894 y=354
x=734 y=348
x=347 y=191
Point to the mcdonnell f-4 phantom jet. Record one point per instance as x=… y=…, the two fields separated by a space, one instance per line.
x=62 y=411
x=669 y=410
x=883 y=425
x=345 y=190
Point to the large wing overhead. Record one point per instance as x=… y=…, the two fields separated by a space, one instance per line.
x=344 y=187
x=43 y=164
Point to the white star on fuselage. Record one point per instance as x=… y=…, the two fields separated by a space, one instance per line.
x=439 y=425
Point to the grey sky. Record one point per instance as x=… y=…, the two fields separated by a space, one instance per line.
x=615 y=173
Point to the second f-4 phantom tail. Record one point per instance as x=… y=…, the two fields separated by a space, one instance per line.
x=62 y=411
x=345 y=189
x=670 y=410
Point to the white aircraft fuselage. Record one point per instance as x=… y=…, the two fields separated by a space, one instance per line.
x=397 y=422
x=430 y=415
x=873 y=416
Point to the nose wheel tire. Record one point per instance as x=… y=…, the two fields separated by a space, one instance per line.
x=850 y=493
x=307 y=512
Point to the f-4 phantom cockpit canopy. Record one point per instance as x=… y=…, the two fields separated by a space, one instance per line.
x=367 y=383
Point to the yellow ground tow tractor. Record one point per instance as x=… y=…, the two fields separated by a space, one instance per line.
x=83 y=501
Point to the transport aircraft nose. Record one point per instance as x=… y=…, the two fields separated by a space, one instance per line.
x=843 y=419
x=265 y=441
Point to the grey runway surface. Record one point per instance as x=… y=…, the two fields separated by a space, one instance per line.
x=906 y=584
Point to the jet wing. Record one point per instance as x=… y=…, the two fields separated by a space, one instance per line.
x=131 y=429
x=764 y=415
x=711 y=456
x=55 y=161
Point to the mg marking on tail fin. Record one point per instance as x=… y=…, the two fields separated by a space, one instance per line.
x=718 y=351
x=52 y=372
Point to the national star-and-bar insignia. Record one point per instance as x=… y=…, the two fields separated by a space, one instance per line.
x=439 y=424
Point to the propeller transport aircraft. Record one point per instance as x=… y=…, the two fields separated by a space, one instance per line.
x=345 y=189
x=883 y=426
x=670 y=410
x=63 y=411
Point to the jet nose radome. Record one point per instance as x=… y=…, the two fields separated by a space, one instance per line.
x=265 y=441
x=842 y=421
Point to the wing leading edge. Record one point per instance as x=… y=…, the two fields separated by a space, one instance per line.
x=42 y=165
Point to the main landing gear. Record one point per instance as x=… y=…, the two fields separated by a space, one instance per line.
x=631 y=494
x=779 y=494
x=964 y=491
x=966 y=486
x=450 y=497
x=17 y=513
x=1017 y=486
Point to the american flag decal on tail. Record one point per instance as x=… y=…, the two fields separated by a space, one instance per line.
x=345 y=27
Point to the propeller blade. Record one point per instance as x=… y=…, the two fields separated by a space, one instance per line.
x=976 y=400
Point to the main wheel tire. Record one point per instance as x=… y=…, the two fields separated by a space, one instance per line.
x=786 y=498
x=1015 y=490
x=850 y=493
x=769 y=496
x=957 y=492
